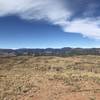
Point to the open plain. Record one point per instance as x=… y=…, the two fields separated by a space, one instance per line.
x=50 y=78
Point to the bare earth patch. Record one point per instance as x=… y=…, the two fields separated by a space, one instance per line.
x=50 y=78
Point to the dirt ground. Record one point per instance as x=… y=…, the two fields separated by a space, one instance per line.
x=56 y=90
x=50 y=78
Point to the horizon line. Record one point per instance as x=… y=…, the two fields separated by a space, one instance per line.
x=52 y=48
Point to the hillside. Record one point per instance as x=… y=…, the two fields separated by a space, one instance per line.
x=50 y=52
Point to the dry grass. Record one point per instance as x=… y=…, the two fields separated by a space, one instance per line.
x=27 y=77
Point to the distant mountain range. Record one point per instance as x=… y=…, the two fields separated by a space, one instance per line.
x=67 y=51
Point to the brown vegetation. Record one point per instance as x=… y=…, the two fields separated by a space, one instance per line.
x=50 y=78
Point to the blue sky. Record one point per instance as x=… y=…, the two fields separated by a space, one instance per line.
x=53 y=24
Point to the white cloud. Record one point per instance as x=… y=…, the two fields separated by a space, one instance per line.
x=87 y=27
x=53 y=11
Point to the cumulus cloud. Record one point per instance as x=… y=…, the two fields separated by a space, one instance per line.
x=86 y=27
x=71 y=15
x=50 y=10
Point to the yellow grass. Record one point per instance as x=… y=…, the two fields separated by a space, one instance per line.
x=20 y=75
